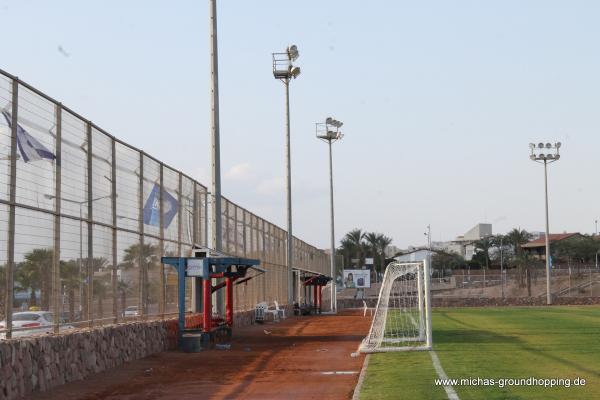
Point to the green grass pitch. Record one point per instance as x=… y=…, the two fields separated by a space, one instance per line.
x=503 y=342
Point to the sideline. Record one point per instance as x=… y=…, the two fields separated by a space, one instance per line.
x=361 y=378
x=440 y=371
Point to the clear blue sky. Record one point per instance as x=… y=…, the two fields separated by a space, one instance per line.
x=439 y=98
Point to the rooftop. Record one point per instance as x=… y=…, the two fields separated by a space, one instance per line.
x=554 y=237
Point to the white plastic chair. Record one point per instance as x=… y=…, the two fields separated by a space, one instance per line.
x=280 y=311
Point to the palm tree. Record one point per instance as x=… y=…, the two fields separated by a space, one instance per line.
x=355 y=237
x=346 y=249
x=149 y=255
x=370 y=243
x=123 y=288
x=371 y=247
x=101 y=286
x=35 y=273
x=70 y=280
x=382 y=243
x=518 y=237
x=485 y=244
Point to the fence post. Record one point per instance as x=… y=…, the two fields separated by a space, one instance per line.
x=141 y=283
x=10 y=265
x=114 y=230
x=90 y=252
x=161 y=240
x=195 y=214
x=57 y=198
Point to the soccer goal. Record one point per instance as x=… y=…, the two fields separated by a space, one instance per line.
x=402 y=319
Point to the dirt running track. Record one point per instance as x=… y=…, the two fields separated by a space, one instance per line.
x=294 y=361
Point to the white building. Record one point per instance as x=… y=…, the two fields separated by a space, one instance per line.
x=391 y=251
x=464 y=244
x=413 y=255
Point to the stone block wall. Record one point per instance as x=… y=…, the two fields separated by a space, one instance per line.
x=39 y=363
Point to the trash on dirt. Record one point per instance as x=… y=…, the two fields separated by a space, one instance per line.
x=222 y=346
x=148 y=372
x=266 y=332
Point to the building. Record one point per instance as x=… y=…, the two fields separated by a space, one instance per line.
x=537 y=247
x=413 y=255
x=391 y=251
x=464 y=245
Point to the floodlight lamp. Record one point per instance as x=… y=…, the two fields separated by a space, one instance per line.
x=541 y=145
x=549 y=156
x=293 y=52
x=340 y=124
x=556 y=156
x=329 y=121
x=558 y=144
x=548 y=145
x=294 y=72
x=532 y=157
x=532 y=146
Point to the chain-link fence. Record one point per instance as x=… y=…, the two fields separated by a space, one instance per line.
x=85 y=218
x=565 y=281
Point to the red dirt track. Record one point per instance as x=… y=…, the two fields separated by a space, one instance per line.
x=288 y=363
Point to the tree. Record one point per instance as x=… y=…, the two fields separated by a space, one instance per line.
x=101 y=288
x=382 y=243
x=346 y=249
x=442 y=260
x=71 y=279
x=149 y=255
x=484 y=245
x=371 y=247
x=356 y=237
x=35 y=273
x=516 y=238
x=579 y=248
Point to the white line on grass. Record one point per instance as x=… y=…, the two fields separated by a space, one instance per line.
x=440 y=371
x=361 y=378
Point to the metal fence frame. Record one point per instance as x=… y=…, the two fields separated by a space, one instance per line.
x=244 y=233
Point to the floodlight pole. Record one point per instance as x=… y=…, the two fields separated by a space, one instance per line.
x=333 y=272
x=288 y=187
x=283 y=70
x=548 y=293
x=216 y=219
x=552 y=156
x=331 y=136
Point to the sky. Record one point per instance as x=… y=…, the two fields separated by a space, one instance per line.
x=439 y=100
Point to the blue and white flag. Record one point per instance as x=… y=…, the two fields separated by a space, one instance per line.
x=152 y=206
x=29 y=147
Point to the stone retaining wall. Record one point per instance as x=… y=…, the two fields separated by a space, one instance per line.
x=480 y=302
x=39 y=363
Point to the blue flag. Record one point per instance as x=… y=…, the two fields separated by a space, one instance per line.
x=152 y=206
x=29 y=147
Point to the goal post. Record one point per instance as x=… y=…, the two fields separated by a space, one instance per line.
x=402 y=319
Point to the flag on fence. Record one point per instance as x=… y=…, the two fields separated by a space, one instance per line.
x=29 y=147
x=152 y=206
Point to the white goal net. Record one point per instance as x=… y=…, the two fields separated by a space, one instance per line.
x=402 y=319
